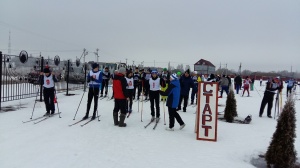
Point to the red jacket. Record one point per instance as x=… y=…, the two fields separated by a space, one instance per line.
x=119 y=87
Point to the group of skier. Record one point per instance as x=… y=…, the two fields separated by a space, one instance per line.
x=151 y=85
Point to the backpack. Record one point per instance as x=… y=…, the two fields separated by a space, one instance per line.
x=248 y=119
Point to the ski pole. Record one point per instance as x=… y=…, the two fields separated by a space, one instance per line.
x=97 y=101
x=78 y=105
x=57 y=103
x=276 y=102
x=138 y=105
x=164 y=102
x=142 y=101
x=257 y=91
x=35 y=102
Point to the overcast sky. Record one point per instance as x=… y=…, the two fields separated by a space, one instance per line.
x=263 y=35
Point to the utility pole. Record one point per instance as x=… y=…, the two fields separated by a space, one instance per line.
x=240 y=69
x=9 y=44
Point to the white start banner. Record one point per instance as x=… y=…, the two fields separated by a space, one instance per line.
x=207 y=111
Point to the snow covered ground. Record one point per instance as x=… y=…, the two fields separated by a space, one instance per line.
x=52 y=143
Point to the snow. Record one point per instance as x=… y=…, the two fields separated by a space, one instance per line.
x=52 y=143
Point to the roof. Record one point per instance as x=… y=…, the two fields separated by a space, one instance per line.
x=204 y=62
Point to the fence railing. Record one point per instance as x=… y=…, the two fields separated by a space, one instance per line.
x=19 y=77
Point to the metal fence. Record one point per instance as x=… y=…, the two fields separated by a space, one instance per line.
x=19 y=77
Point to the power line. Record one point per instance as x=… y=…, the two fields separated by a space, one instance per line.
x=36 y=34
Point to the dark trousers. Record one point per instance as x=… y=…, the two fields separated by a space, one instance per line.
x=93 y=93
x=104 y=85
x=129 y=103
x=120 y=104
x=154 y=98
x=194 y=93
x=224 y=88
x=237 y=88
x=49 y=99
x=185 y=101
x=135 y=85
x=172 y=115
x=137 y=93
x=146 y=87
x=288 y=90
x=267 y=99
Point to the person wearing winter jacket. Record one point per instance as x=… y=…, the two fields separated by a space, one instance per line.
x=247 y=83
x=47 y=79
x=290 y=85
x=165 y=76
x=94 y=78
x=137 y=84
x=105 y=80
x=238 y=83
x=120 y=95
x=268 y=98
x=130 y=90
x=211 y=78
x=224 y=83
x=173 y=93
x=196 y=79
x=186 y=83
x=155 y=83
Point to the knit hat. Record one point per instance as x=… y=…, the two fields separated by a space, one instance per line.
x=128 y=72
x=95 y=65
x=178 y=73
x=165 y=69
x=174 y=76
x=154 y=71
x=187 y=71
x=122 y=70
x=46 y=70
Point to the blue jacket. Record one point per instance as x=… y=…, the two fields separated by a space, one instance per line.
x=95 y=83
x=173 y=93
x=186 y=83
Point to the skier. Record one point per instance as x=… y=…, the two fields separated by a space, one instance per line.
x=146 y=77
x=196 y=80
x=120 y=95
x=130 y=90
x=155 y=83
x=137 y=83
x=290 y=85
x=165 y=76
x=105 y=79
x=247 y=82
x=268 y=98
x=47 y=79
x=94 y=78
x=186 y=83
x=173 y=93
